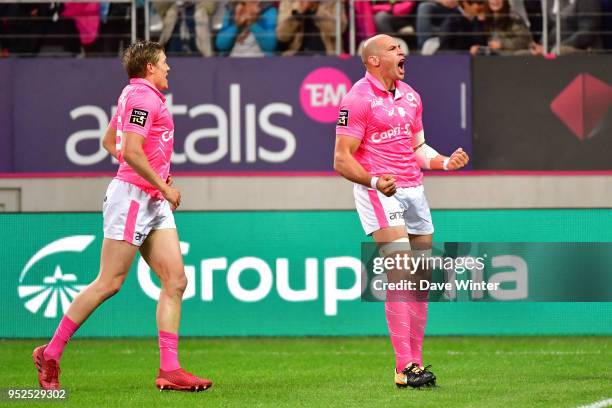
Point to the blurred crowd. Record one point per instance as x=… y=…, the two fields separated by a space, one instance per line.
x=295 y=27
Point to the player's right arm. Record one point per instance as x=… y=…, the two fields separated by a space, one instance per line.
x=109 y=141
x=348 y=167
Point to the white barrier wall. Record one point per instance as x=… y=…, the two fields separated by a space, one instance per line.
x=315 y=193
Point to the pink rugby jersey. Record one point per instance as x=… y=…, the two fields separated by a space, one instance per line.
x=386 y=125
x=141 y=109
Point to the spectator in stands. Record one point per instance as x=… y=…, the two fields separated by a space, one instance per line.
x=16 y=22
x=178 y=19
x=392 y=16
x=308 y=27
x=4 y=44
x=249 y=30
x=580 y=23
x=115 y=28
x=464 y=29
x=606 y=24
x=86 y=18
x=507 y=32
x=31 y=27
x=518 y=8
x=430 y=17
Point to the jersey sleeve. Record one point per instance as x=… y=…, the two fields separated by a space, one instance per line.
x=353 y=116
x=113 y=121
x=141 y=110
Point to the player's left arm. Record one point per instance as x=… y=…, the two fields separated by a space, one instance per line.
x=428 y=158
x=109 y=141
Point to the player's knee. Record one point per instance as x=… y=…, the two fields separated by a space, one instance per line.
x=181 y=283
x=110 y=288
x=115 y=286
x=175 y=284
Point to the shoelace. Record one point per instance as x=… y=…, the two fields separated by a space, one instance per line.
x=412 y=369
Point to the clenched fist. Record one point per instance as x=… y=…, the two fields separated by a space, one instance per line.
x=386 y=185
x=457 y=160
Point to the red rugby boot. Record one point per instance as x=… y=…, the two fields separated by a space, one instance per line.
x=48 y=370
x=181 y=380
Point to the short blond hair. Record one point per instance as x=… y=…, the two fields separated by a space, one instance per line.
x=138 y=55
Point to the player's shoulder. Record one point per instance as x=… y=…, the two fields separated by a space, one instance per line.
x=360 y=93
x=361 y=87
x=145 y=91
x=407 y=89
x=142 y=94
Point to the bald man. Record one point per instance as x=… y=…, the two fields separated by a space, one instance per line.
x=380 y=146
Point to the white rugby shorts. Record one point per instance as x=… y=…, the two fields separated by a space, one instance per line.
x=130 y=214
x=407 y=207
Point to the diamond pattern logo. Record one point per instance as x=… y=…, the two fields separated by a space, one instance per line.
x=583 y=105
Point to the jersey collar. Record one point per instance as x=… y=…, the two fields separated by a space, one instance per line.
x=380 y=87
x=142 y=81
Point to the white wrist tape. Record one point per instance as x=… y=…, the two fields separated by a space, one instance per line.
x=445 y=163
x=373 y=182
x=424 y=154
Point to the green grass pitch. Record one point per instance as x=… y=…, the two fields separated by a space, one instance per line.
x=330 y=372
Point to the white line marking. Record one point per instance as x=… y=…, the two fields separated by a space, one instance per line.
x=527 y=353
x=599 y=404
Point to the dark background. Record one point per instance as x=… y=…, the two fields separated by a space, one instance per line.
x=514 y=127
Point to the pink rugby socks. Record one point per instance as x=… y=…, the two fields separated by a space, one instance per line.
x=168 y=351
x=64 y=332
x=418 y=319
x=406 y=314
x=398 y=322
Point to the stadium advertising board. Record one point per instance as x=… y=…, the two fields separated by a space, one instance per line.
x=6 y=119
x=539 y=114
x=285 y=273
x=267 y=115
